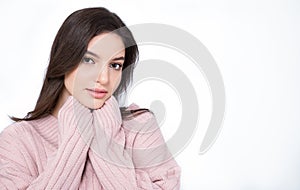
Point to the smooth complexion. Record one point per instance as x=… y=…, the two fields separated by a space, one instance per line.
x=98 y=74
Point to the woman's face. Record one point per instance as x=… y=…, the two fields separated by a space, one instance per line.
x=99 y=73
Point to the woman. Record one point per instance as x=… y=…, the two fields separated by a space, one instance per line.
x=77 y=137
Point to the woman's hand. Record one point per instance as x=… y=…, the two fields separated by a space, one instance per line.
x=109 y=158
x=75 y=116
x=109 y=140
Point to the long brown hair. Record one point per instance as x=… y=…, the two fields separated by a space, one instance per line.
x=68 y=48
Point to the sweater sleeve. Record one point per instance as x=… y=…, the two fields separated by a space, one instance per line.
x=146 y=164
x=111 y=162
x=154 y=164
x=64 y=170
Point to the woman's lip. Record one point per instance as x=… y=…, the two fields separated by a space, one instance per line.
x=98 y=90
x=97 y=93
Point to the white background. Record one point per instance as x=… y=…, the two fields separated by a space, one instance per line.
x=256 y=46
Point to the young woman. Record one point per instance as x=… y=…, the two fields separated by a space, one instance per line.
x=77 y=137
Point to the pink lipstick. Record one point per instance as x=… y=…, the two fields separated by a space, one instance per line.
x=97 y=93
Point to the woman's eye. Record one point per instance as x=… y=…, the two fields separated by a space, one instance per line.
x=88 y=60
x=116 y=66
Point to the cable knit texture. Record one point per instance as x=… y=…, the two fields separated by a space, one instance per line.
x=84 y=149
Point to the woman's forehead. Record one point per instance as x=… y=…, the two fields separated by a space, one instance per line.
x=106 y=45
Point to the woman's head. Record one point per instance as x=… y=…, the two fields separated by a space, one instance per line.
x=82 y=31
x=99 y=73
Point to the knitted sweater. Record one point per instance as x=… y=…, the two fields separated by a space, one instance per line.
x=84 y=149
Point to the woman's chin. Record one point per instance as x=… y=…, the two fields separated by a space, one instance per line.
x=94 y=105
x=91 y=103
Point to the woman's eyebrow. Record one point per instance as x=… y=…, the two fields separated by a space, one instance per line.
x=114 y=59
x=93 y=54
x=118 y=58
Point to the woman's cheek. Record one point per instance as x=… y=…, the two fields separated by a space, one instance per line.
x=117 y=83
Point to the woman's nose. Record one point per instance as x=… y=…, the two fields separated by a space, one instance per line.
x=103 y=75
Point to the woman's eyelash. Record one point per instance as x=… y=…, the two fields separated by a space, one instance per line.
x=116 y=66
x=88 y=60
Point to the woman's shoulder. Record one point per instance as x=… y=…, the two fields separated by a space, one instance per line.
x=32 y=134
x=23 y=129
x=14 y=131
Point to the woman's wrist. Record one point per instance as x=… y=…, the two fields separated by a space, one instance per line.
x=74 y=114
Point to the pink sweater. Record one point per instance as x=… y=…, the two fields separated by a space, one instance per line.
x=81 y=149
